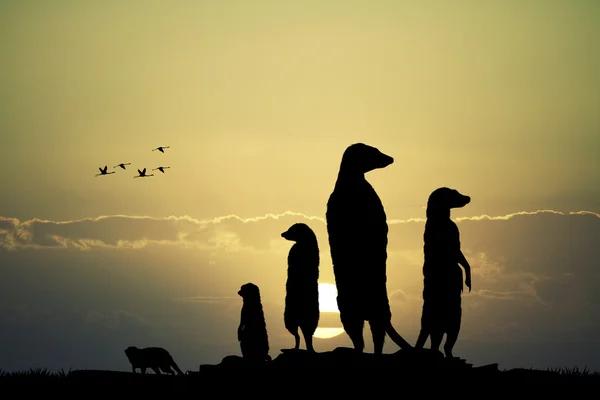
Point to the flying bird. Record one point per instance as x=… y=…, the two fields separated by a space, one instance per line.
x=103 y=171
x=142 y=174
x=161 y=169
x=161 y=148
x=122 y=165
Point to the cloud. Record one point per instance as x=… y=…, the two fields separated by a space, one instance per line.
x=398 y=296
x=112 y=320
x=206 y=299
x=516 y=295
x=40 y=313
x=535 y=277
x=122 y=231
x=519 y=255
x=8 y=223
x=230 y=232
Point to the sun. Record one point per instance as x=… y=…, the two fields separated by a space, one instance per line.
x=328 y=298
x=328 y=304
x=328 y=333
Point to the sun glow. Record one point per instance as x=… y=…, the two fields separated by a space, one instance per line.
x=328 y=298
x=328 y=333
x=328 y=304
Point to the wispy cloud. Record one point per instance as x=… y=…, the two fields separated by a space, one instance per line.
x=135 y=232
x=512 y=215
x=112 y=320
x=205 y=299
x=509 y=295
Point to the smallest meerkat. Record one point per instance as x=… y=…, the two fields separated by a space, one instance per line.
x=252 y=331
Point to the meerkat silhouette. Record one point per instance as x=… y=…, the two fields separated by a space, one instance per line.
x=252 y=331
x=156 y=358
x=357 y=230
x=302 y=286
x=442 y=275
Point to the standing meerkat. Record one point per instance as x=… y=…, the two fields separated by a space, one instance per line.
x=357 y=229
x=252 y=331
x=442 y=275
x=302 y=286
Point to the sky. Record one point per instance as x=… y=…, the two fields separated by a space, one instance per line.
x=257 y=102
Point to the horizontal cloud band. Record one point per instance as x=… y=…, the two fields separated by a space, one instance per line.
x=131 y=232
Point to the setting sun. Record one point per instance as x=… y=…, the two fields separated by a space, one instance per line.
x=328 y=304
x=328 y=298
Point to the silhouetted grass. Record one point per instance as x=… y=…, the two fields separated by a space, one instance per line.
x=40 y=375
x=566 y=372
x=575 y=371
x=43 y=375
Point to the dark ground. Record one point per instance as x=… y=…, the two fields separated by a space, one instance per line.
x=341 y=371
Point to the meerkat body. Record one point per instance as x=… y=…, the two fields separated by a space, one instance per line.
x=252 y=331
x=442 y=275
x=357 y=230
x=302 y=286
x=155 y=358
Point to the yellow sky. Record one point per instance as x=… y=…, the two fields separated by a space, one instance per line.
x=258 y=100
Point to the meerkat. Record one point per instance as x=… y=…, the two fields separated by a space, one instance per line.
x=252 y=331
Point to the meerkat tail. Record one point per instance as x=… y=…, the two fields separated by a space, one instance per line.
x=396 y=338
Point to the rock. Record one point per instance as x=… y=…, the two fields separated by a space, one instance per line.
x=344 y=358
x=233 y=362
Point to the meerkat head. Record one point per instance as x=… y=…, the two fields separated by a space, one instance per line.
x=298 y=233
x=131 y=351
x=443 y=199
x=249 y=291
x=360 y=158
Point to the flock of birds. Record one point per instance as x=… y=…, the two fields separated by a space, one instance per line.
x=141 y=172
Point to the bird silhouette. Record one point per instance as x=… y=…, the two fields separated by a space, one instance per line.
x=161 y=169
x=142 y=174
x=103 y=171
x=122 y=165
x=161 y=148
